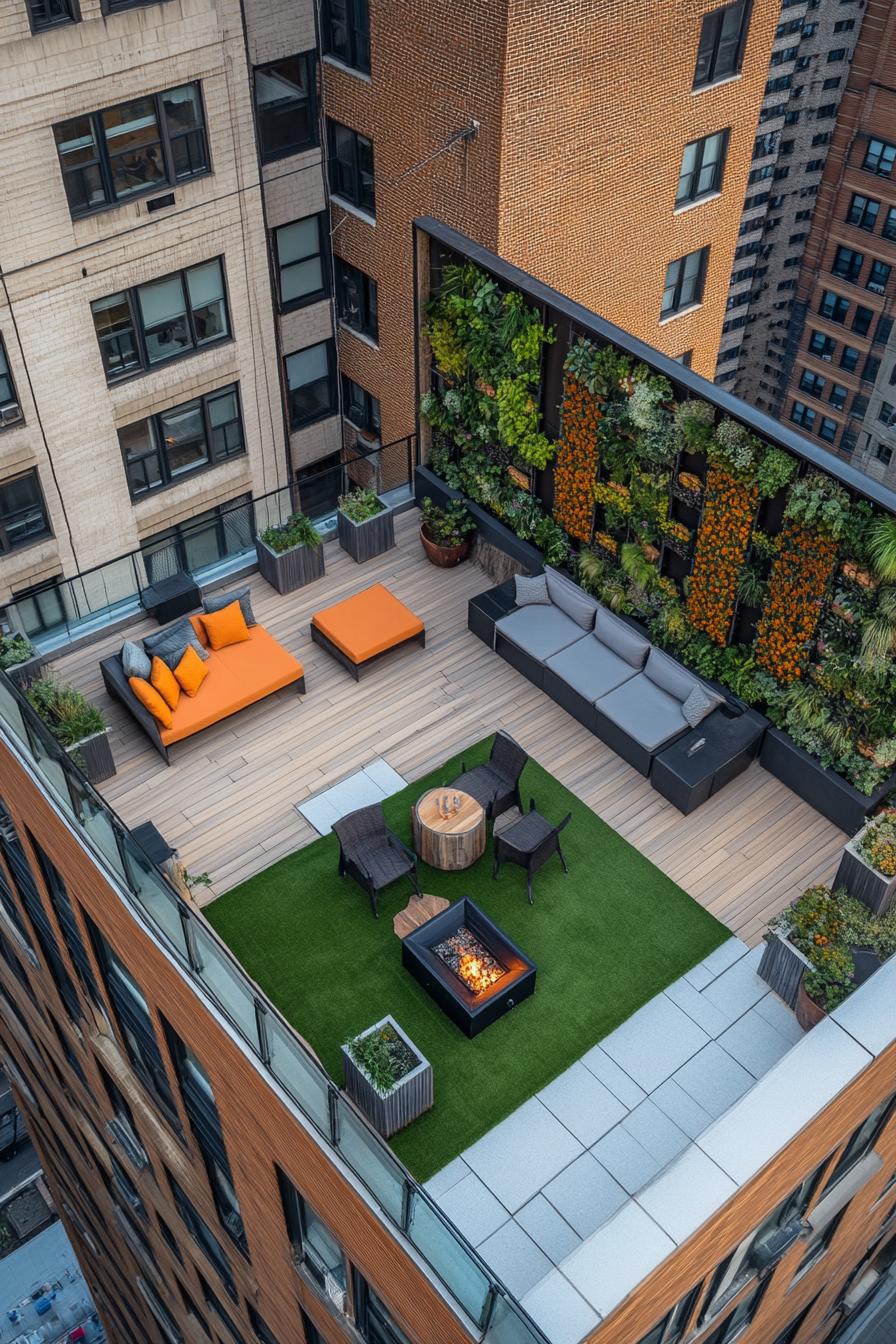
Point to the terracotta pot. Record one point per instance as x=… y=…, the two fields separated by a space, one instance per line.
x=446 y=557
x=808 y=1013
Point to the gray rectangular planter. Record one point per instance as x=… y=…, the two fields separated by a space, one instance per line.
x=22 y=674
x=288 y=570
x=411 y=1096
x=782 y=968
x=862 y=881
x=365 y=540
x=95 y=754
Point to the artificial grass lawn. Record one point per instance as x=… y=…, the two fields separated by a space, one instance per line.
x=605 y=940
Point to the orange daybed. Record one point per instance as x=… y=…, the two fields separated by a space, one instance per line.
x=362 y=628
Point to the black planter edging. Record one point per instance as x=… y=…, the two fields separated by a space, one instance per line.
x=288 y=570
x=364 y=541
x=831 y=795
x=427 y=483
x=490 y=530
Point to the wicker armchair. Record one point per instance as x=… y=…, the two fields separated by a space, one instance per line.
x=530 y=842
x=372 y=854
x=496 y=785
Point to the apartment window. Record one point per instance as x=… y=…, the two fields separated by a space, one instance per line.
x=351 y=166
x=827 y=429
x=205 y=539
x=39 y=607
x=833 y=83
x=362 y=409
x=838 y=54
x=814 y=166
x=285 y=111
x=135 y=1024
x=847 y=263
x=863 y=212
x=169 y=1238
x=44 y=14
x=311 y=383
x=833 y=306
x=260 y=1330
x=887 y=413
x=862 y=319
x=165 y=1321
x=889 y=228
x=821 y=345
x=702 y=167
x=685 y=358
x=826 y=110
x=203 y=1236
x=849 y=358
x=879 y=158
x=789 y=1334
x=671 y=1328
x=884 y=454
x=684 y=282
x=202 y=1113
x=723 y=35
x=740 y=1318
x=844 y=25
x=802 y=415
x=837 y=396
x=312 y=1334
x=345 y=32
x=127 y=150
x=813 y=383
x=783 y=55
x=797 y=238
x=374 y=1319
x=859 y=404
x=871 y=368
x=760 y=174
x=356 y=299
x=162 y=319
x=879 y=276
x=883 y=329
x=792 y=117
x=23 y=514
x=168 y=447
x=313 y=1245
x=300 y=252
x=10 y=411
x=212 y=1302
x=68 y=924
x=786 y=147
x=778 y=84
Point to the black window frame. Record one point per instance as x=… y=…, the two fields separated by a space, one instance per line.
x=677 y=283
x=803 y=416
x=874 y=158
x=863 y=216
x=177 y=536
x=690 y=196
x=847 y=263
x=10 y=406
x=833 y=306
x=710 y=48
x=827 y=429
x=874 y=282
x=849 y=358
x=72 y=15
x=359 y=311
x=821 y=345
x=345 y=173
x=370 y=419
x=671 y=1328
x=299 y=145
x=64 y=910
x=295 y=1216
x=332 y=408
x=862 y=319
x=861 y=1141
x=811 y=382
x=837 y=396
x=6 y=547
x=135 y=330
x=159 y=448
x=322 y=220
x=355 y=52
x=888 y=228
x=203 y=1236
x=103 y=160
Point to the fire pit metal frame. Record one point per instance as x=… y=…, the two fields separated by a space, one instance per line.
x=469 y=1011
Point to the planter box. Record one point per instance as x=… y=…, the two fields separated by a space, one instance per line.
x=288 y=570
x=411 y=1096
x=831 y=795
x=488 y=528
x=20 y=674
x=95 y=753
x=864 y=882
x=782 y=968
x=365 y=540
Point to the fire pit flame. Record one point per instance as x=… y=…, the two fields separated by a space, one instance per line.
x=476 y=975
x=470 y=961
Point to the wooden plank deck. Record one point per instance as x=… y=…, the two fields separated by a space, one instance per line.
x=227 y=801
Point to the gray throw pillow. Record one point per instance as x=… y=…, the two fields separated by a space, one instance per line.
x=218 y=601
x=169 y=644
x=570 y=599
x=134 y=660
x=531 y=590
x=698 y=704
x=625 y=642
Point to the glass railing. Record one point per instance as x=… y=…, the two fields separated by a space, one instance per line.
x=207 y=548
x=277 y=1048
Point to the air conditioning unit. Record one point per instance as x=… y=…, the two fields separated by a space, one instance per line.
x=120 y=1133
x=876 y=288
x=10 y=412
x=769 y=1249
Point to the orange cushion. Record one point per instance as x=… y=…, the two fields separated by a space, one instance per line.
x=227 y=626
x=151 y=700
x=199 y=630
x=165 y=682
x=368 y=623
x=190 y=672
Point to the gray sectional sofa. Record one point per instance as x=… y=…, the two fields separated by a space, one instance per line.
x=599 y=668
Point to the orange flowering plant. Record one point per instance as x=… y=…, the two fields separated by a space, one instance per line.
x=591 y=377
x=722 y=542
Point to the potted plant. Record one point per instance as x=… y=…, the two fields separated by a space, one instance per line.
x=290 y=554
x=386 y=1076
x=868 y=866
x=364 y=524
x=76 y=724
x=19 y=659
x=446 y=533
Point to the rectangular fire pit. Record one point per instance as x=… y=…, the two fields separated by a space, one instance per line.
x=472 y=970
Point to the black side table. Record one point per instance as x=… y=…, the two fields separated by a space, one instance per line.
x=486 y=608
x=171 y=597
x=731 y=744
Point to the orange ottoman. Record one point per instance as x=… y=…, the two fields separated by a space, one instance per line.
x=362 y=628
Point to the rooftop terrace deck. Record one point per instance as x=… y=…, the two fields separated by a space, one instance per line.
x=227 y=801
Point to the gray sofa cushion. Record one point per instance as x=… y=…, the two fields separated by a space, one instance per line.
x=218 y=601
x=529 y=589
x=135 y=662
x=670 y=676
x=590 y=668
x=645 y=711
x=569 y=597
x=621 y=638
x=169 y=644
x=539 y=630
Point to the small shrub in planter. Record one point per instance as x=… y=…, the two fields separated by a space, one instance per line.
x=386 y=1076
x=15 y=649
x=868 y=865
x=446 y=533
x=290 y=554
x=76 y=724
x=364 y=524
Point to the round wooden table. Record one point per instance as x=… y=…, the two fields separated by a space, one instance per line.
x=448 y=842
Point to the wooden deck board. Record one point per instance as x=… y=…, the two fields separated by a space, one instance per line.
x=227 y=801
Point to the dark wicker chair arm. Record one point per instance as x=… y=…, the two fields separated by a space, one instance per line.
x=397 y=843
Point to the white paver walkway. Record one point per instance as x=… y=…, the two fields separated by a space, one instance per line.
x=372 y=784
